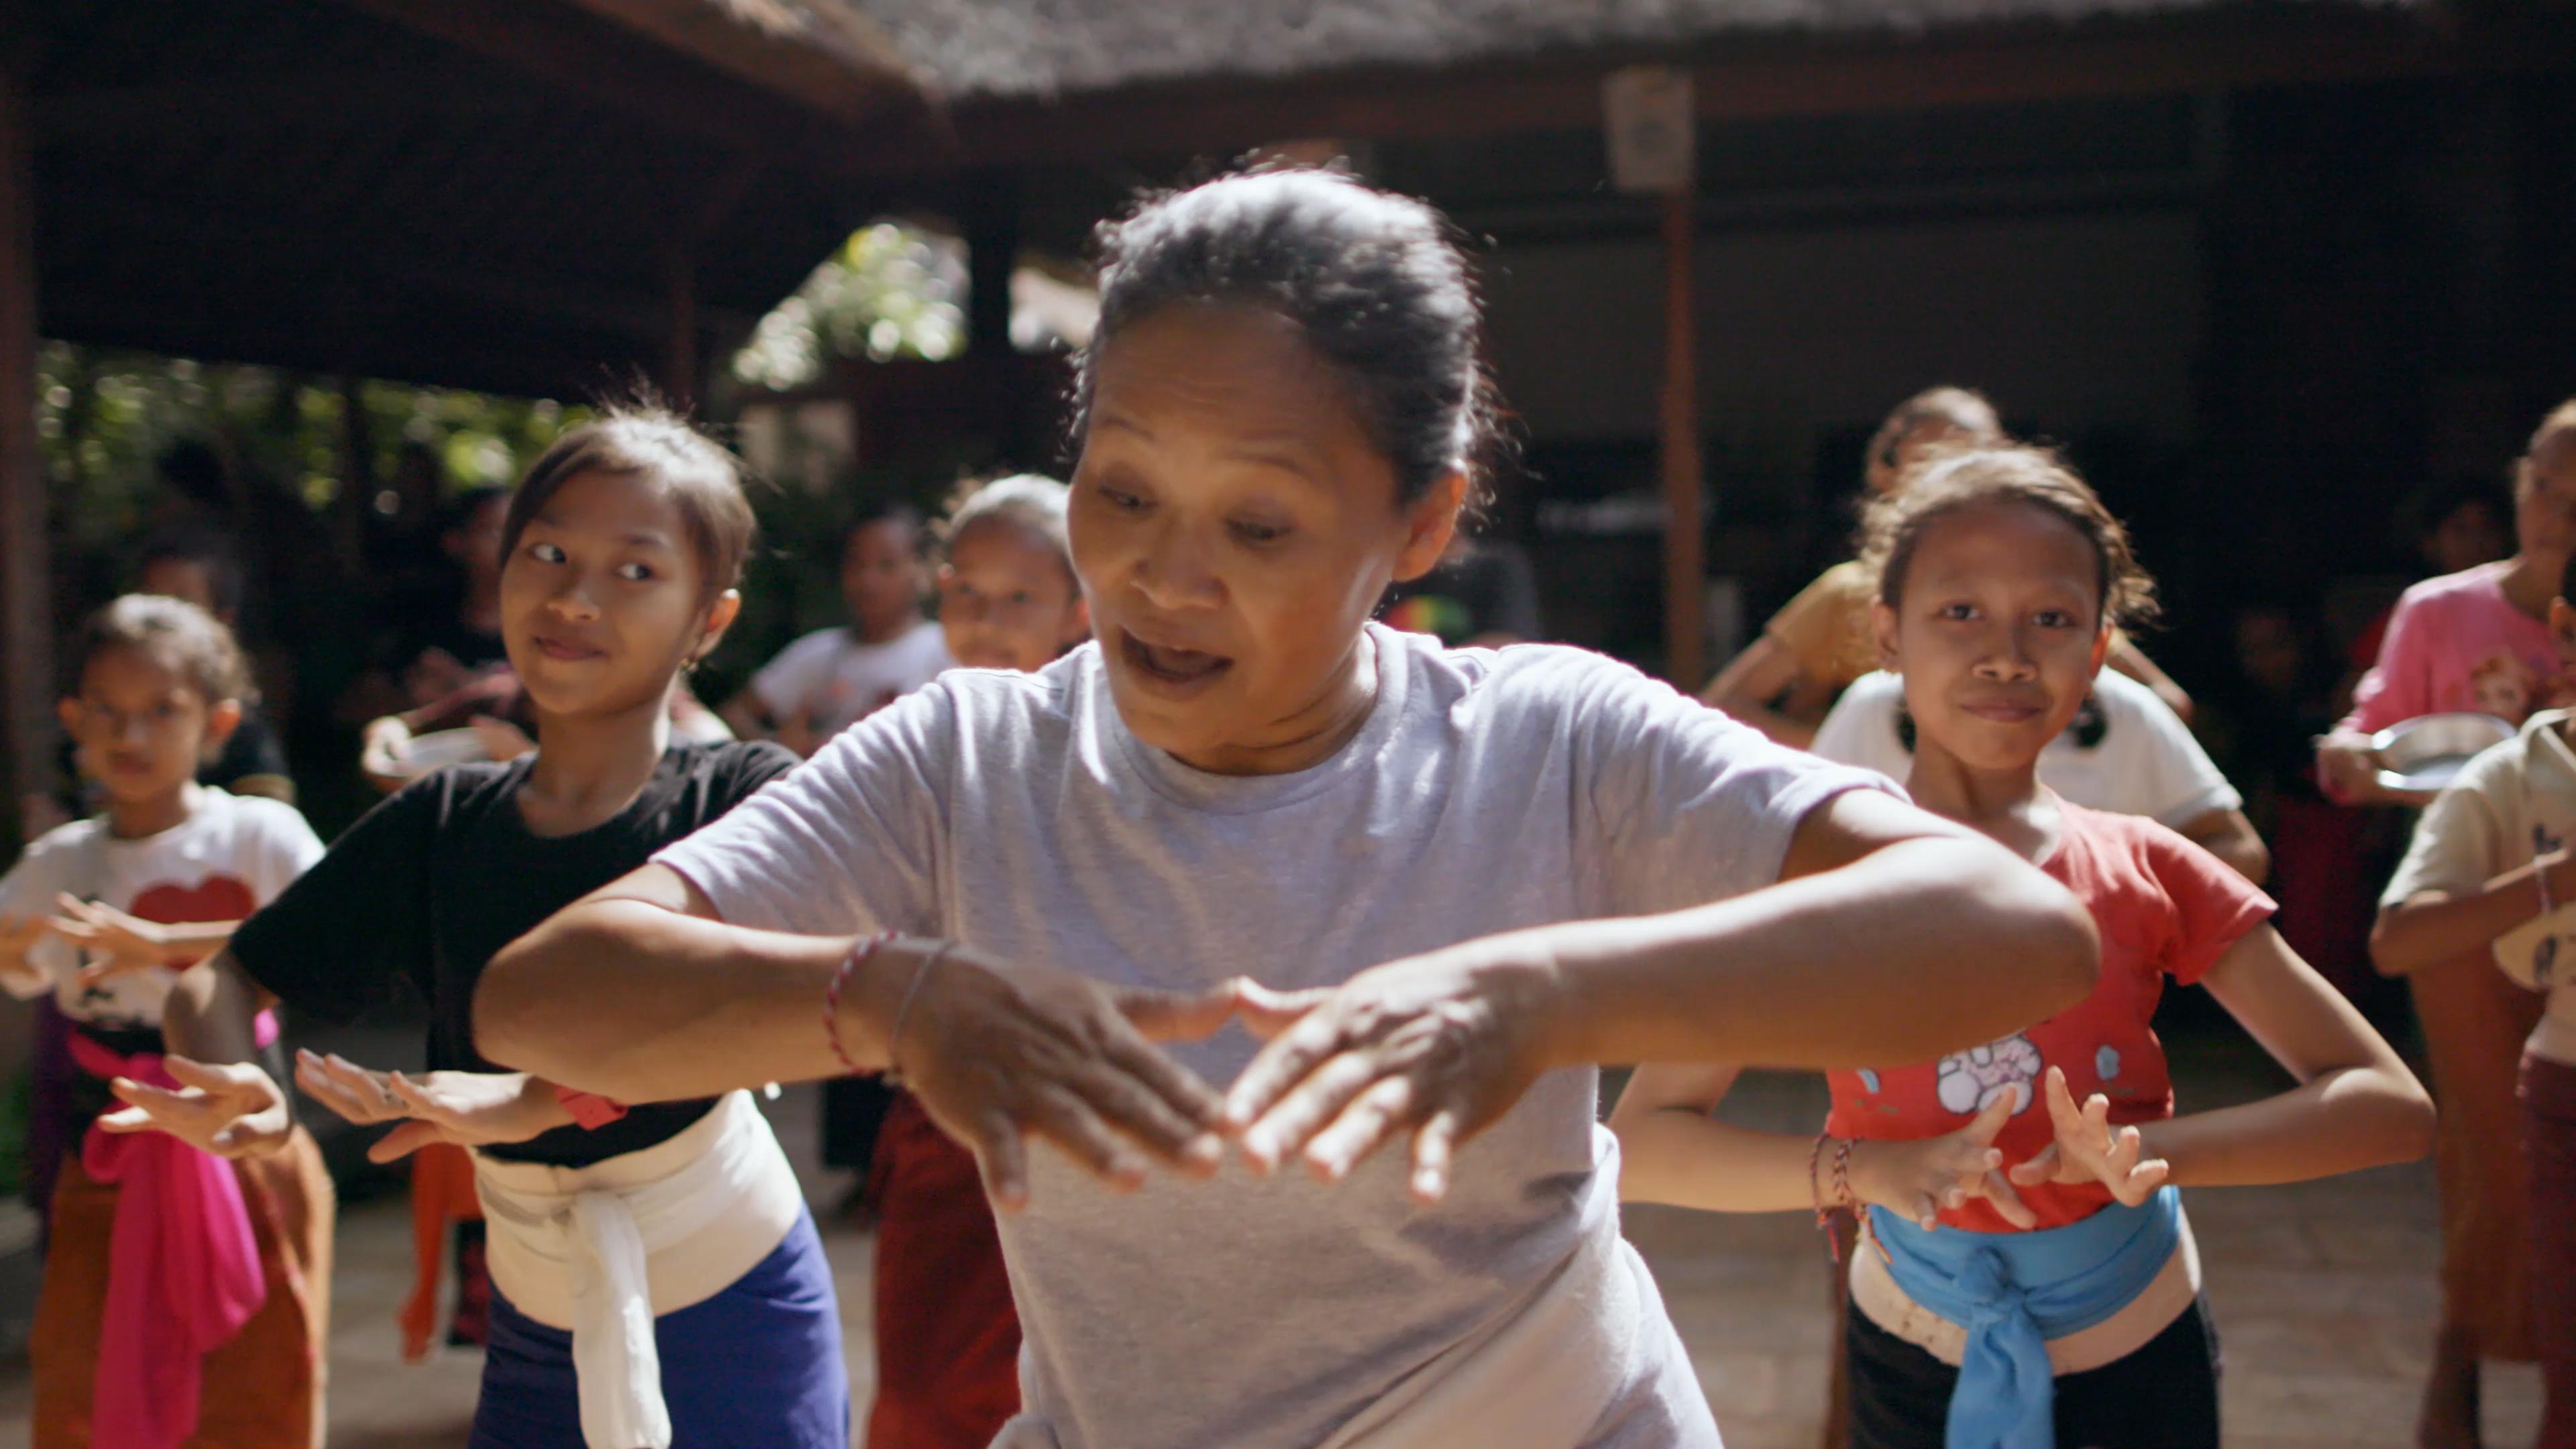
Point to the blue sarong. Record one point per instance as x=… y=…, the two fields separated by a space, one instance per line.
x=2013 y=1292
x=758 y=1366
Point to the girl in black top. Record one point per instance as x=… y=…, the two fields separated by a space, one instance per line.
x=619 y=558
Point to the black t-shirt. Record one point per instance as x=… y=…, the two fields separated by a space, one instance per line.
x=438 y=878
x=252 y=752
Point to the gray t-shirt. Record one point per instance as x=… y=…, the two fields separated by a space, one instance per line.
x=1487 y=791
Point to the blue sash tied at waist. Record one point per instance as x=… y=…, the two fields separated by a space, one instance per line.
x=2013 y=1292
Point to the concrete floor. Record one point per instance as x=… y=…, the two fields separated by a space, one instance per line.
x=2324 y=1296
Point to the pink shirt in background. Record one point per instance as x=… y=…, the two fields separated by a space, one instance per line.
x=2457 y=643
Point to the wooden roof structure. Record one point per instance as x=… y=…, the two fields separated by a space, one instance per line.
x=523 y=196
x=519 y=196
x=555 y=196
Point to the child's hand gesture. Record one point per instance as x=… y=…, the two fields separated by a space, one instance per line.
x=467 y=1109
x=234 y=1110
x=18 y=936
x=2087 y=1150
x=118 y=944
x=1919 y=1179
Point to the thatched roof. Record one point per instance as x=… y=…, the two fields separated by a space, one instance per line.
x=1004 y=50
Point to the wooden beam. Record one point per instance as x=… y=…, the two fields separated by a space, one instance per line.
x=581 y=54
x=260 y=99
x=819 y=56
x=1685 y=526
x=1749 y=79
x=26 y=581
x=680 y=374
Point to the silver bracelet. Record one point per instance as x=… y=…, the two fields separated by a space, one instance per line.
x=903 y=1011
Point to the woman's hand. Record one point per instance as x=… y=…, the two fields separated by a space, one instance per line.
x=233 y=1110
x=2087 y=1150
x=997 y=1053
x=118 y=944
x=466 y=1109
x=1919 y=1179
x=1433 y=1048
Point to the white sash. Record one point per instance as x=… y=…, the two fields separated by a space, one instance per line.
x=604 y=1250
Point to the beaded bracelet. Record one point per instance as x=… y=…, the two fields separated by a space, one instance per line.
x=861 y=950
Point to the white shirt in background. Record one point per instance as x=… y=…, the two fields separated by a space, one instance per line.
x=2131 y=756
x=833 y=680
x=231 y=856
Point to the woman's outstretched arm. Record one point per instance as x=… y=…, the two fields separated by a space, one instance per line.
x=1893 y=936
x=638 y=993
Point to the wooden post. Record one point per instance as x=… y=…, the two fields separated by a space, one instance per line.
x=26 y=585
x=680 y=376
x=357 y=500
x=1685 y=527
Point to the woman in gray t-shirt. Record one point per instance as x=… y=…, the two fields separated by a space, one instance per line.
x=1251 y=869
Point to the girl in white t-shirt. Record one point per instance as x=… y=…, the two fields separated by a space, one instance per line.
x=2490 y=872
x=185 y=1298
x=829 y=679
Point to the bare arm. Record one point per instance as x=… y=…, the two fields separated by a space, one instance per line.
x=2356 y=1104
x=2231 y=837
x=210 y=1014
x=2132 y=661
x=638 y=993
x=1894 y=936
x=1749 y=683
x=1674 y=1149
x=2432 y=927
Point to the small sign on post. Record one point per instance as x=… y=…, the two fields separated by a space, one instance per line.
x=1653 y=126
x=1653 y=134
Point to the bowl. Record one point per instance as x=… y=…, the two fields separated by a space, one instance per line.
x=439 y=749
x=2425 y=753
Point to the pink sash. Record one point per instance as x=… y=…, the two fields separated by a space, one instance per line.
x=183 y=1269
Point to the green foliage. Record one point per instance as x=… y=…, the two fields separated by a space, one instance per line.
x=106 y=418
x=890 y=291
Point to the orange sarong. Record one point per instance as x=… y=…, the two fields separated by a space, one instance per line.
x=2475 y=1021
x=263 y=1389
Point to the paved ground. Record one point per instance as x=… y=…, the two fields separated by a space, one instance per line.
x=2324 y=1296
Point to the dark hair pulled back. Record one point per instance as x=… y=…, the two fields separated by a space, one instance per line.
x=1376 y=282
x=701 y=478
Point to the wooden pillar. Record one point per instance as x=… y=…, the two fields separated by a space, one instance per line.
x=357 y=499
x=992 y=225
x=1685 y=527
x=680 y=375
x=26 y=585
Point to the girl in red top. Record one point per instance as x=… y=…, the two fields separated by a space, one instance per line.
x=2022 y=1247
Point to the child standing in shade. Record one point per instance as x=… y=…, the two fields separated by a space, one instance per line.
x=656 y=1277
x=186 y=1299
x=831 y=678
x=2489 y=873
x=2027 y=1276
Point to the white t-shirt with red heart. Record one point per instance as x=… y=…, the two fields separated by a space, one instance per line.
x=231 y=856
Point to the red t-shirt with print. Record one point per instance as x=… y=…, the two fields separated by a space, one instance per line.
x=2165 y=908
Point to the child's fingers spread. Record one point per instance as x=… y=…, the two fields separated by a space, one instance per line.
x=1991 y=1119
x=406 y=1139
x=128 y=1119
x=2041 y=1168
x=2008 y=1202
